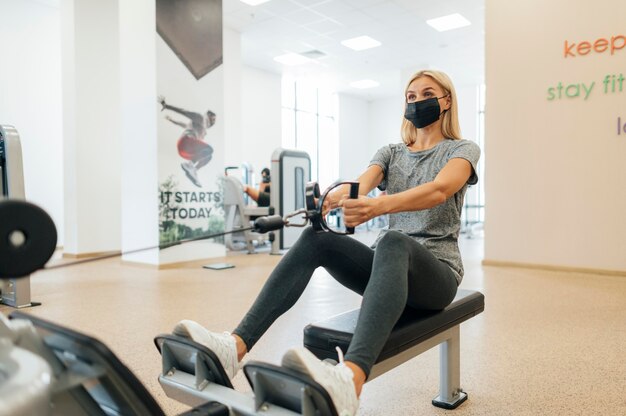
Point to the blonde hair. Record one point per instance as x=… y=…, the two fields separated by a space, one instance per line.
x=450 y=122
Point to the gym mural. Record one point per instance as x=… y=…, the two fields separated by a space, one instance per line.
x=190 y=125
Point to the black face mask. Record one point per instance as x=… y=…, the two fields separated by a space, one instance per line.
x=423 y=113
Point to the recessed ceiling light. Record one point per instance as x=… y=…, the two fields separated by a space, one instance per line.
x=360 y=43
x=254 y=2
x=449 y=22
x=292 y=59
x=364 y=83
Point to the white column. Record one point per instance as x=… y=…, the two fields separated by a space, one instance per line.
x=138 y=132
x=91 y=124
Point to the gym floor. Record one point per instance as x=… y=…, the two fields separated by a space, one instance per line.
x=548 y=343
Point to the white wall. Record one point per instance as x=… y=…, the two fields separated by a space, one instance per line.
x=30 y=98
x=260 y=117
x=354 y=136
x=467 y=96
x=252 y=105
x=385 y=118
x=555 y=169
x=233 y=136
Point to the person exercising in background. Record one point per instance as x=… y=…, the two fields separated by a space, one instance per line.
x=261 y=195
x=191 y=145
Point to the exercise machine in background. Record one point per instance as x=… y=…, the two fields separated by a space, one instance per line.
x=14 y=292
x=238 y=214
x=291 y=171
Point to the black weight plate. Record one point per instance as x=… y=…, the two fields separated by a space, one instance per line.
x=28 y=238
x=312 y=193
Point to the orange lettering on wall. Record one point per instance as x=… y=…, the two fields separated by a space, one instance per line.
x=568 y=50
x=583 y=48
x=613 y=43
x=600 y=45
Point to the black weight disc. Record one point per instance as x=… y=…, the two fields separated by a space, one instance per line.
x=28 y=238
x=312 y=193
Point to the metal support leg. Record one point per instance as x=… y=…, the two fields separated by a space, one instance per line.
x=450 y=393
x=16 y=293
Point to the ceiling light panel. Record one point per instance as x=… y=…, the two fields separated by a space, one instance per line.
x=361 y=43
x=254 y=2
x=449 y=22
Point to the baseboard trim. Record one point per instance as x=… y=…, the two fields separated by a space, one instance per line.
x=88 y=255
x=606 y=272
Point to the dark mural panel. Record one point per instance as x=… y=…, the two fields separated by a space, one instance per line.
x=193 y=30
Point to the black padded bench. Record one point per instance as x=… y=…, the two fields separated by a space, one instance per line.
x=416 y=332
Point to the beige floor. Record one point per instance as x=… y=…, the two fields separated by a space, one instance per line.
x=548 y=343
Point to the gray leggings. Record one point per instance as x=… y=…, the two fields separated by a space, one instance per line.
x=399 y=272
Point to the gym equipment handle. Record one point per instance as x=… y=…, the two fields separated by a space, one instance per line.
x=354 y=193
x=269 y=223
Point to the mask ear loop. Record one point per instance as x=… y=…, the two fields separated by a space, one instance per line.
x=447 y=109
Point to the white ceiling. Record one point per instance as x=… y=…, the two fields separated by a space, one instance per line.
x=408 y=43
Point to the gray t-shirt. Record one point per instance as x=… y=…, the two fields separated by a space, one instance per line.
x=436 y=228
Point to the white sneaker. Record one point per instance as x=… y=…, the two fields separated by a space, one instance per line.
x=191 y=172
x=222 y=345
x=336 y=379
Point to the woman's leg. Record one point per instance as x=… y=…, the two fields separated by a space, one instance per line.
x=281 y=291
x=346 y=258
x=403 y=272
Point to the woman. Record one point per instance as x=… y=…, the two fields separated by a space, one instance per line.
x=425 y=177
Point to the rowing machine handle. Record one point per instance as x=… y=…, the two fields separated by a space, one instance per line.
x=354 y=193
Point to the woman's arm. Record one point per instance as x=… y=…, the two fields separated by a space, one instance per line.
x=368 y=180
x=447 y=182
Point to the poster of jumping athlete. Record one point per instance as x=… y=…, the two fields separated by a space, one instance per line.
x=190 y=127
x=191 y=145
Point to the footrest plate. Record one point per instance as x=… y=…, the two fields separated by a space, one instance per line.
x=191 y=357
x=288 y=389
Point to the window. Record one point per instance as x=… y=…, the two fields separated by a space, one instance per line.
x=309 y=124
x=473 y=215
